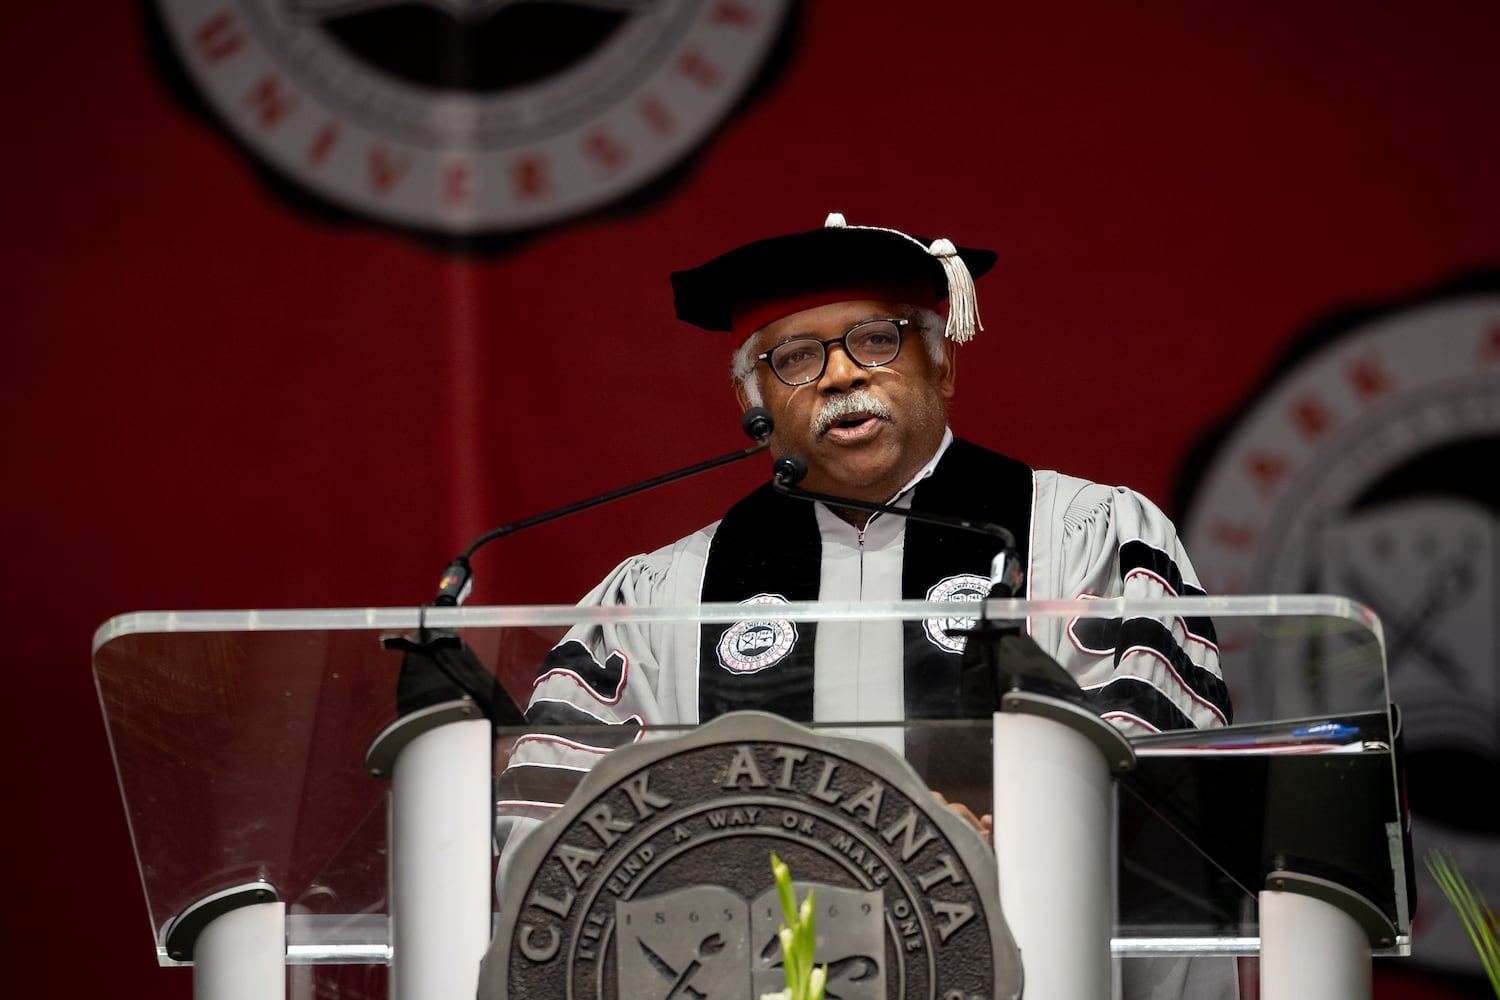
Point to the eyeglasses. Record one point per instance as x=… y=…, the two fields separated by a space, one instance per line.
x=869 y=344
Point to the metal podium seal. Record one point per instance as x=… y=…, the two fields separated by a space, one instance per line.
x=654 y=880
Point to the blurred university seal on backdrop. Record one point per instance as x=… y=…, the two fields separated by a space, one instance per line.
x=471 y=117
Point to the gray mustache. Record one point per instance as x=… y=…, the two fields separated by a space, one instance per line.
x=843 y=407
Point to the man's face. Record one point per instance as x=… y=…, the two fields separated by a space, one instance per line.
x=891 y=417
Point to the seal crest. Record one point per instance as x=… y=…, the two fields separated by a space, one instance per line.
x=654 y=880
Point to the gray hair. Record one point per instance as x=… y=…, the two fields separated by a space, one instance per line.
x=742 y=364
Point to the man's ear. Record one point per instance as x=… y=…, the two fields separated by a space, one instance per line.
x=741 y=395
x=948 y=370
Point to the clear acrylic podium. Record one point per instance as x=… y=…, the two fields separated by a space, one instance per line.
x=255 y=752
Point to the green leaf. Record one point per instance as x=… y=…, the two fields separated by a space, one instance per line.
x=1473 y=910
x=798 y=938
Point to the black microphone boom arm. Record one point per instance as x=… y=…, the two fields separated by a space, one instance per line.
x=458 y=576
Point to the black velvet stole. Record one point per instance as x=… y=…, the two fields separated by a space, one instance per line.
x=769 y=544
x=979 y=485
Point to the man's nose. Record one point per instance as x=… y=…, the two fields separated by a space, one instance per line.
x=841 y=372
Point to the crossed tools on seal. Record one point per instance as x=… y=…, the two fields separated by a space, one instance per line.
x=682 y=981
x=854 y=968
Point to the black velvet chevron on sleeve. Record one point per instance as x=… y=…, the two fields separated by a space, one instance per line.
x=607 y=679
x=551 y=715
x=1105 y=635
x=537 y=783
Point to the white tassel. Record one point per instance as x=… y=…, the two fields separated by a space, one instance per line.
x=963 y=305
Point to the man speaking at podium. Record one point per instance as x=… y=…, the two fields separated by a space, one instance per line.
x=849 y=336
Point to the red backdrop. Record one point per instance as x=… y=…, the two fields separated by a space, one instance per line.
x=212 y=401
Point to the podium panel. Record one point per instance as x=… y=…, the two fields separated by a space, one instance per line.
x=241 y=739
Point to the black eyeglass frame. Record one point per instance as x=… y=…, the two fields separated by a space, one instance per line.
x=843 y=340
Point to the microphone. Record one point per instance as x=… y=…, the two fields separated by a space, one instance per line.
x=757 y=423
x=788 y=471
x=1005 y=569
x=457 y=578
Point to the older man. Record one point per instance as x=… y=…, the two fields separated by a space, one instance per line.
x=839 y=336
x=849 y=336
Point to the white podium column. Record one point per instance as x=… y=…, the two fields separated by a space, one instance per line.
x=236 y=940
x=1054 y=841
x=242 y=955
x=1315 y=939
x=442 y=830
